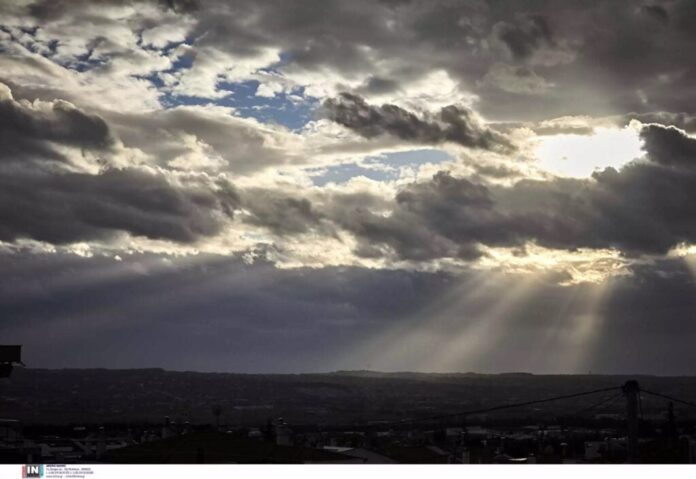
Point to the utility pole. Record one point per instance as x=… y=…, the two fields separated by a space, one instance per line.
x=631 y=390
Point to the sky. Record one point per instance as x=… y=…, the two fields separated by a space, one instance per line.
x=306 y=186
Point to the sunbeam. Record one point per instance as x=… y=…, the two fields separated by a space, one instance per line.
x=476 y=345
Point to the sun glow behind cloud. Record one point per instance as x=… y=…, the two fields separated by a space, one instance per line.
x=687 y=253
x=575 y=267
x=580 y=155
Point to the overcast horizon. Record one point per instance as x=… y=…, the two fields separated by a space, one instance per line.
x=387 y=185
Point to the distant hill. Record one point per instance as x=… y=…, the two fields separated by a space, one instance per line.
x=63 y=396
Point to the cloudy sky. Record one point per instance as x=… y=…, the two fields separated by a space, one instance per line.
x=288 y=186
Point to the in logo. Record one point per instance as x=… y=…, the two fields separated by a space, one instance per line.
x=32 y=470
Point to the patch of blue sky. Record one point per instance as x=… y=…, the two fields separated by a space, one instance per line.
x=30 y=30
x=29 y=45
x=171 y=100
x=52 y=47
x=340 y=174
x=153 y=78
x=168 y=47
x=384 y=167
x=80 y=63
x=84 y=63
x=410 y=158
x=293 y=110
x=183 y=62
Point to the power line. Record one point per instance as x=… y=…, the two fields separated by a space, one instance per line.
x=605 y=401
x=665 y=396
x=500 y=407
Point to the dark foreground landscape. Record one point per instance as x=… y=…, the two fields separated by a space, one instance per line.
x=152 y=415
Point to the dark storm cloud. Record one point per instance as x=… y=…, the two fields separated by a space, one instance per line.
x=44 y=201
x=70 y=207
x=627 y=47
x=657 y=12
x=646 y=207
x=28 y=129
x=280 y=213
x=525 y=36
x=61 y=122
x=446 y=217
x=184 y=6
x=452 y=123
x=54 y=9
x=669 y=145
x=414 y=230
x=495 y=171
x=377 y=85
